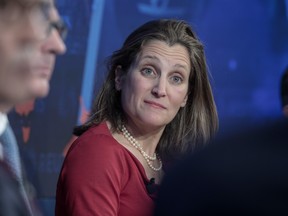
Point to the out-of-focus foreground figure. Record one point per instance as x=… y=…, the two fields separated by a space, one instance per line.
x=31 y=37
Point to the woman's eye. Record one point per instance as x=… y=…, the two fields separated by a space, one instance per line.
x=176 y=79
x=148 y=72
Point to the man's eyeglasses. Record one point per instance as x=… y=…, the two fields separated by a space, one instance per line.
x=60 y=26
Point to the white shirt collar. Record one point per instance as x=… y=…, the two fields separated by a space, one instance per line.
x=3 y=122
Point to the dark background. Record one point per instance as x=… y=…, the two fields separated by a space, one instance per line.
x=246 y=44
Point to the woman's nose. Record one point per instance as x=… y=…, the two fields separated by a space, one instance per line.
x=159 y=89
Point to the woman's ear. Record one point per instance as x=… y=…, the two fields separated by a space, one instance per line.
x=118 y=78
x=184 y=101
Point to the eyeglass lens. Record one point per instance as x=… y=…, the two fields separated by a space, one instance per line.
x=60 y=27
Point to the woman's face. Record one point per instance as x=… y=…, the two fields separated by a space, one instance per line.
x=156 y=85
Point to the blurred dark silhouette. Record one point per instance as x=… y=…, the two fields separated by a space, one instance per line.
x=284 y=92
x=243 y=174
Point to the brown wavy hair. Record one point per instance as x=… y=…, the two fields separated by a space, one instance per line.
x=195 y=123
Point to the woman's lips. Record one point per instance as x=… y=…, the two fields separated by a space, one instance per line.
x=155 y=104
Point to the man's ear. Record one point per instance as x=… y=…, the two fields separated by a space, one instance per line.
x=118 y=78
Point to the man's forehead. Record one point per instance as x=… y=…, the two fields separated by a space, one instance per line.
x=25 y=3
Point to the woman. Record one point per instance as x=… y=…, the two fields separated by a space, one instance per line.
x=155 y=103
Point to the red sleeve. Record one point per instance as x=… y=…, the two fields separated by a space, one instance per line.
x=91 y=178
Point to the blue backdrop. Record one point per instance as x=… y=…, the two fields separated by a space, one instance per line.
x=246 y=45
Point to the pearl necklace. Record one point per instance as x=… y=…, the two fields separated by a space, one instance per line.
x=147 y=157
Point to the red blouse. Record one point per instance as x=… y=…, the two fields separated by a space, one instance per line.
x=101 y=177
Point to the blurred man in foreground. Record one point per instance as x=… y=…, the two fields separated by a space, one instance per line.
x=31 y=36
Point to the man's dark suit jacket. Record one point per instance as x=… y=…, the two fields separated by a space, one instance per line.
x=11 y=201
